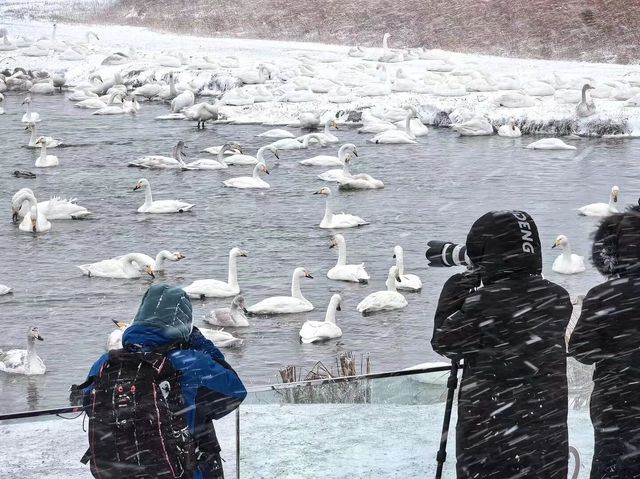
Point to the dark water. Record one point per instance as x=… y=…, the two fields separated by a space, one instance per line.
x=433 y=190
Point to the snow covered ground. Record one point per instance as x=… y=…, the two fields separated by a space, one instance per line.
x=284 y=441
x=552 y=86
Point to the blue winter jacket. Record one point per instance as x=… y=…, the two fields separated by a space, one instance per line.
x=210 y=388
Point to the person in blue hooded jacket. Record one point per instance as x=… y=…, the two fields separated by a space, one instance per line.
x=210 y=388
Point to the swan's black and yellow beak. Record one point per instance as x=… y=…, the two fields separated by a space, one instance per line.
x=14 y=217
x=338 y=308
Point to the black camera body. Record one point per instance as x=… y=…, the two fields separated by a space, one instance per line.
x=446 y=254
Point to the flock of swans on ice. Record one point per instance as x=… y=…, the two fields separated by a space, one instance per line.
x=365 y=75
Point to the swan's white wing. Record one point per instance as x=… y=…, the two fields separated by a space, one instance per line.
x=280 y=305
x=409 y=282
x=312 y=331
x=210 y=288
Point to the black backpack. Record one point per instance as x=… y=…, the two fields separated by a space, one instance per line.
x=137 y=427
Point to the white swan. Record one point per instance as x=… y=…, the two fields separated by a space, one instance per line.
x=158 y=264
x=182 y=101
x=4 y=289
x=44 y=160
x=327 y=160
x=161 y=206
x=476 y=126
x=211 y=288
x=296 y=143
x=49 y=141
x=397 y=136
x=234 y=317
x=326 y=136
x=54 y=209
x=248 y=182
x=342 y=271
x=602 y=209
x=221 y=339
x=586 y=107
x=510 y=129
x=550 y=144
x=337 y=174
x=567 y=262
x=408 y=282
x=313 y=331
x=29 y=116
x=129 y=266
x=277 y=133
x=128 y=105
x=24 y=361
x=360 y=181
x=202 y=113
x=211 y=164
x=114 y=340
x=341 y=220
x=296 y=303
x=384 y=300
x=248 y=160
x=163 y=162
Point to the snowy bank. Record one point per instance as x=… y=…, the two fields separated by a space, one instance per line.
x=541 y=95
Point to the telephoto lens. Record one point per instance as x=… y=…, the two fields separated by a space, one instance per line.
x=446 y=253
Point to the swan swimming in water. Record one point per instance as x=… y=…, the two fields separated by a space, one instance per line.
x=277 y=133
x=476 y=126
x=296 y=303
x=550 y=144
x=4 y=289
x=24 y=361
x=161 y=206
x=341 y=220
x=211 y=164
x=586 y=107
x=602 y=209
x=202 y=113
x=327 y=160
x=163 y=162
x=129 y=266
x=297 y=143
x=54 y=209
x=314 y=331
x=408 y=282
x=361 y=181
x=221 y=339
x=29 y=116
x=249 y=160
x=510 y=130
x=398 y=136
x=50 y=142
x=567 y=262
x=211 y=288
x=158 y=264
x=342 y=271
x=250 y=182
x=234 y=317
x=384 y=300
x=35 y=221
x=44 y=160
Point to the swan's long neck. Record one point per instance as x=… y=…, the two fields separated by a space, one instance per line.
x=326 y=128
x=233 y=271
x=148 y=198
x=177 y=154
x=385 y=42
x=342 y=253
x=612 y=202
x=566 y=252
x=256 y=169
x=295 y=287
x=43 y=150
x=34 y=137
x=128 y=261
x=330 y=317
x=260 y=154
x=584 y=95
x=53 y=35
x=342 y=153
x=400 y=262
x=31 y=350
x=172 y=87
x=407 y=125
x=160 y=257
x=391 y=283
x=221 y=155
x=328 y=210
x=112 y=97
x=29 y=109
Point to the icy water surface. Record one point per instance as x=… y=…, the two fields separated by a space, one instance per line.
x=433 y=190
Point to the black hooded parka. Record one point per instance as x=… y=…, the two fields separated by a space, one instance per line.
x=512 y=402
x=608 y=335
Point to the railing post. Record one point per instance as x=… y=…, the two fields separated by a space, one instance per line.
x=452 y=384
x=238 y=443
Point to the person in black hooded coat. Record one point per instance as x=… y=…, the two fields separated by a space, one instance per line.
x=508 y=325
x=607 y=334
